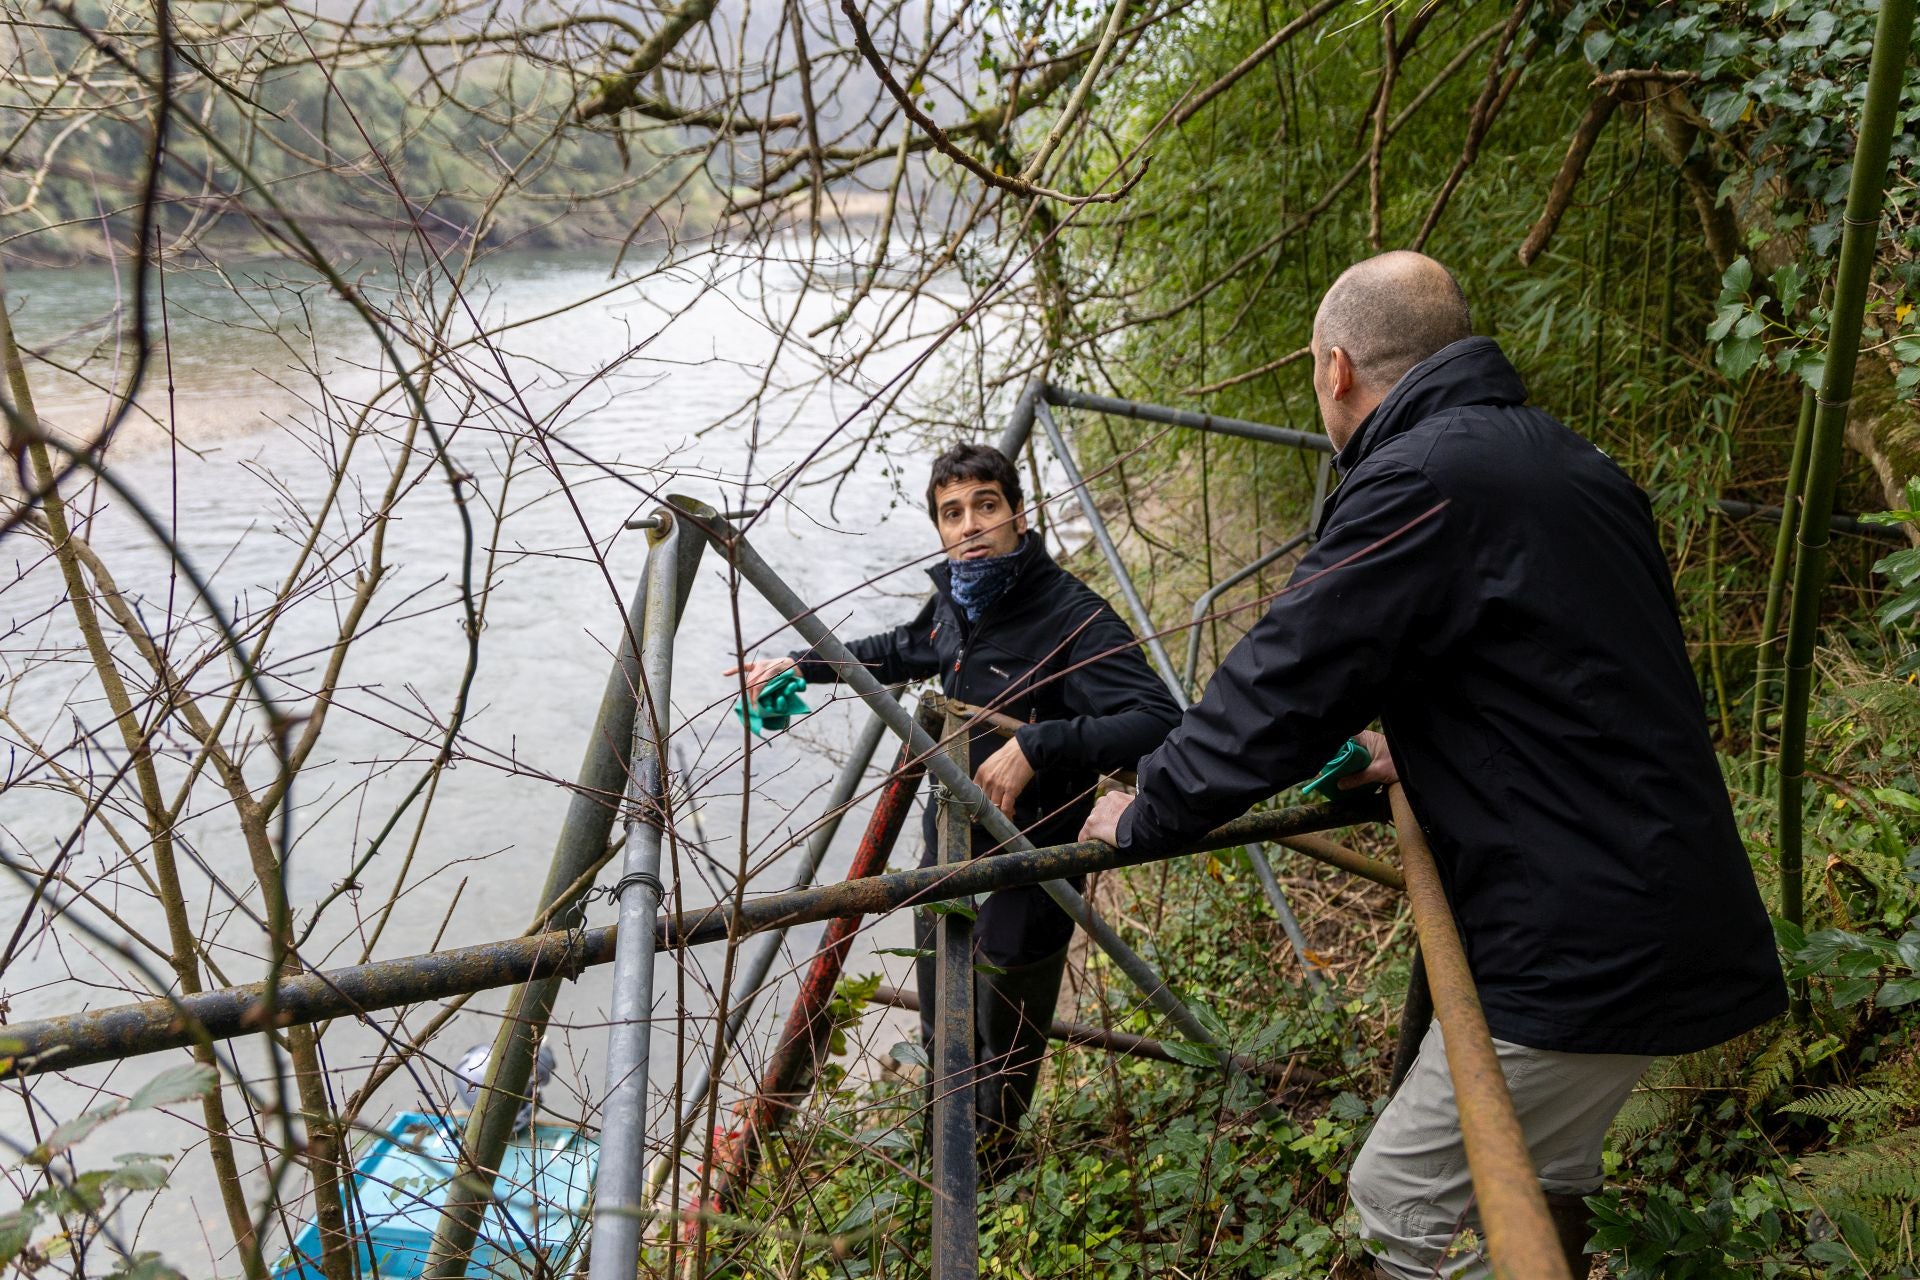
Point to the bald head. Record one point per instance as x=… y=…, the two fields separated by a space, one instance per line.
x=1389 y=313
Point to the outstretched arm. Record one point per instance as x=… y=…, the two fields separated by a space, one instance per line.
x=893 y=657
x=1373 y=594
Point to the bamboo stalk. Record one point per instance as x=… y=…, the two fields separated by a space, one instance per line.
x=1663 y=367
x=1768 y=664
x=1858 y=244
x=1716 y=669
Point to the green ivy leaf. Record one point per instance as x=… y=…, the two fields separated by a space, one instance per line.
x=1738 y=355
x=1737 y=279
x=1851 y=991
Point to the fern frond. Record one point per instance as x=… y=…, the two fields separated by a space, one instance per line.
x=1846 y=1103
x=1887 y=1168
x=1774 y=1066
x=1647 y=1110
x=1901 y=1076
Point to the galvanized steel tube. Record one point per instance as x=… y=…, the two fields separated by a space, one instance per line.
x=619 y=1186
x=1262 y=870
x=582 y=843
x=1204 y=604
x=1067 y=398
x=766 y=947
x=1095 y=521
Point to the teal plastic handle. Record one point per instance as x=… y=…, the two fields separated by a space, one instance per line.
x=779 y=702
x=1349 y=760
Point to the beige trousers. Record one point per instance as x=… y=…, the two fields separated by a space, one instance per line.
x=1411 y=1185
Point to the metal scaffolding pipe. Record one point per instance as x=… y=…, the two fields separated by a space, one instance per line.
x=950 y=1075
x=829 y=648
x=1068 y=398
x=619 y=1186
x=1149 y=635
x=766 y=946
x=1204 y=605
x=1521 y=1242
x=124 y=1031
x=1083 y=1035
x=581 y=845
x=1020 y=422
x=1262 y=869
x=1838 y=522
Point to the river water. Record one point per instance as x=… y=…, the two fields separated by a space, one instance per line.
x=633 y=378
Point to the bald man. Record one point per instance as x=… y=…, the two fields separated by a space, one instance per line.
x=1490 y=587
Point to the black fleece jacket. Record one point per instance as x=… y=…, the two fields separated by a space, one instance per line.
x=1049 y=651
x=1490 y=585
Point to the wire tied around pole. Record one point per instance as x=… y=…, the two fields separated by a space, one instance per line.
x=645 y=878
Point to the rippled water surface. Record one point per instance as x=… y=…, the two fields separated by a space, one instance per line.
x=226 y=451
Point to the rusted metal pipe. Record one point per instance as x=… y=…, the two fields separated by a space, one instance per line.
x=950 y=1081
x=999 y=721
x=1416 y=1015
x=802 y=1045
x=1321 y=849
x=1082 y=1035
x=1521 y=1243
x=125 y=1031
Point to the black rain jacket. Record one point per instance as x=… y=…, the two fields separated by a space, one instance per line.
x=1490 y=586
x=1051 y=652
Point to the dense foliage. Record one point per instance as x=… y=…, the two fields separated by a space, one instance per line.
x=1676 y=316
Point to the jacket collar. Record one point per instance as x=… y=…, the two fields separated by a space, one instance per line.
x=1470 y=371
x=1033 y=552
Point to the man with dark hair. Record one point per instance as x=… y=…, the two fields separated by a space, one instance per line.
x=1491 y=587
x=1008 y=629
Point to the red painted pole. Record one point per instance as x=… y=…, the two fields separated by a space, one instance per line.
x=789 y=1074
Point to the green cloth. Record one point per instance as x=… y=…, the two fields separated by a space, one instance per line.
x=1350 y=759
x=779 y=702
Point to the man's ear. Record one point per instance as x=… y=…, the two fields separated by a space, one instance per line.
x=1340 y=379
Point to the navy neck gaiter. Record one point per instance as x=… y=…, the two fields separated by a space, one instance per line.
x=978 y=583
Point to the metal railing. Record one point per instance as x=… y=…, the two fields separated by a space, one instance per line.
x=626 y=757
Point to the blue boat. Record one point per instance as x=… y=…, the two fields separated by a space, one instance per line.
x=537 y=1226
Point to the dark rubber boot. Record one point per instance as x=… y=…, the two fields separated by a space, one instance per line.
x=1573 y=1223
x=1012 y=1013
